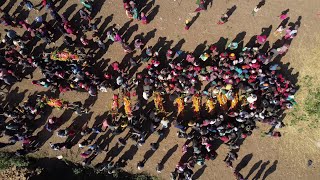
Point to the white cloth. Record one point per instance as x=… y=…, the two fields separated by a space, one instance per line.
x=145 y=95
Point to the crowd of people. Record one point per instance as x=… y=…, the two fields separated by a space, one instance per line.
x=229 y=89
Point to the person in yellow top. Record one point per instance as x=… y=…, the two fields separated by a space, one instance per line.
x=56 y=103
x=180 y=104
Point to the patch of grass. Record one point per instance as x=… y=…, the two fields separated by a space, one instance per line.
x=307 y=81
x=262 y=134
x=300 y=130
x=312 y=103
x=297 y=115
x=8 y=160
x=309 y=109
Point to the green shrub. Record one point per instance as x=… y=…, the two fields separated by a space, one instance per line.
x=9 y=160
x=144 y=177
x=141 y=177
x=77 y=170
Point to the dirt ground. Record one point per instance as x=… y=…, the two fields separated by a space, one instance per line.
x=260 y=157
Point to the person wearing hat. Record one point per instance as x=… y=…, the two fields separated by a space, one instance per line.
x=187 y=24
x=252 y=98
x=190 y=58
x=233 y=46
x=224 y=18
x=232 y=56
x=204 y=56
x=261 y=39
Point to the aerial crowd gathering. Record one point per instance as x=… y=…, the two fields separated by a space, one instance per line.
x=215 y=98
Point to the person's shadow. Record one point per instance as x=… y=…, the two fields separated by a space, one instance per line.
x=270 y=170
x=69 y=11
x=206 y=4
x=194 y=19
x=261 y=3
x=231 y=11
x=168 y=154
x=262 y=168
x=244 y=162
x=153 y=13
x=128 y=155
x=253 y=169
x=266 y=31
x=200 y=171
